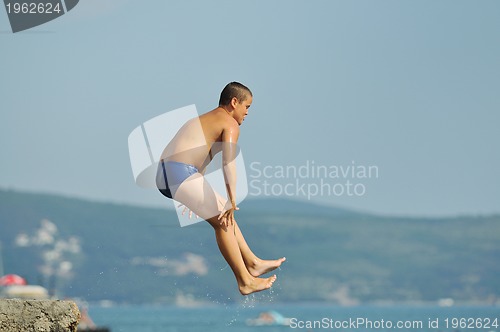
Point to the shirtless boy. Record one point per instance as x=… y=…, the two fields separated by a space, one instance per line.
x=180 y=176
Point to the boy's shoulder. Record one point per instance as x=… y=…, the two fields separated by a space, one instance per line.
x=219 y=118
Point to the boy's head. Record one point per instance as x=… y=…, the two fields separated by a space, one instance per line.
x=234 y=90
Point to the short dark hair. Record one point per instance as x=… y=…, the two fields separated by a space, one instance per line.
x=234 y=89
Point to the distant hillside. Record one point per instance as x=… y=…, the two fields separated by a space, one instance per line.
x=136 y=255
x=291 y=207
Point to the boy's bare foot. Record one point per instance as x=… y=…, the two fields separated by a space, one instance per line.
x=257 y=285
x=260 y=267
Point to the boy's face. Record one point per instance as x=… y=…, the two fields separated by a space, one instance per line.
x=241 y=109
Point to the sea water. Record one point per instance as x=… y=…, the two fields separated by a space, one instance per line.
x=304 y=317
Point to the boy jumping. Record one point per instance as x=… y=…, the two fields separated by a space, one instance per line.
x=180 y=176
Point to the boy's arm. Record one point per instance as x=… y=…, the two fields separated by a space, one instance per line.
x=229 y=151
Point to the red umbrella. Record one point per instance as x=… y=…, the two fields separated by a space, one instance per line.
x=11 y=280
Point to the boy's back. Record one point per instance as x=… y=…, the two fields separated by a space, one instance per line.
x=193 y=142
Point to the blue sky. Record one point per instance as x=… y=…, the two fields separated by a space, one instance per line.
x=409 y=86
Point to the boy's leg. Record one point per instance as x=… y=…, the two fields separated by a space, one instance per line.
x=197 y=195
x=254 y=264
x=228 y=246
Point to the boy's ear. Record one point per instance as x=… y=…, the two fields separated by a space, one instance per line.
x=234 y=102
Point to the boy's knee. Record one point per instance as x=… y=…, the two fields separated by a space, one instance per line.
x=214 y=222
x=218 y=226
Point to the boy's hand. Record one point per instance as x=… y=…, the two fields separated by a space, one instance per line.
x=227 y=215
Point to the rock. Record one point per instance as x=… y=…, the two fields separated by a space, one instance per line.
x=38 y=315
